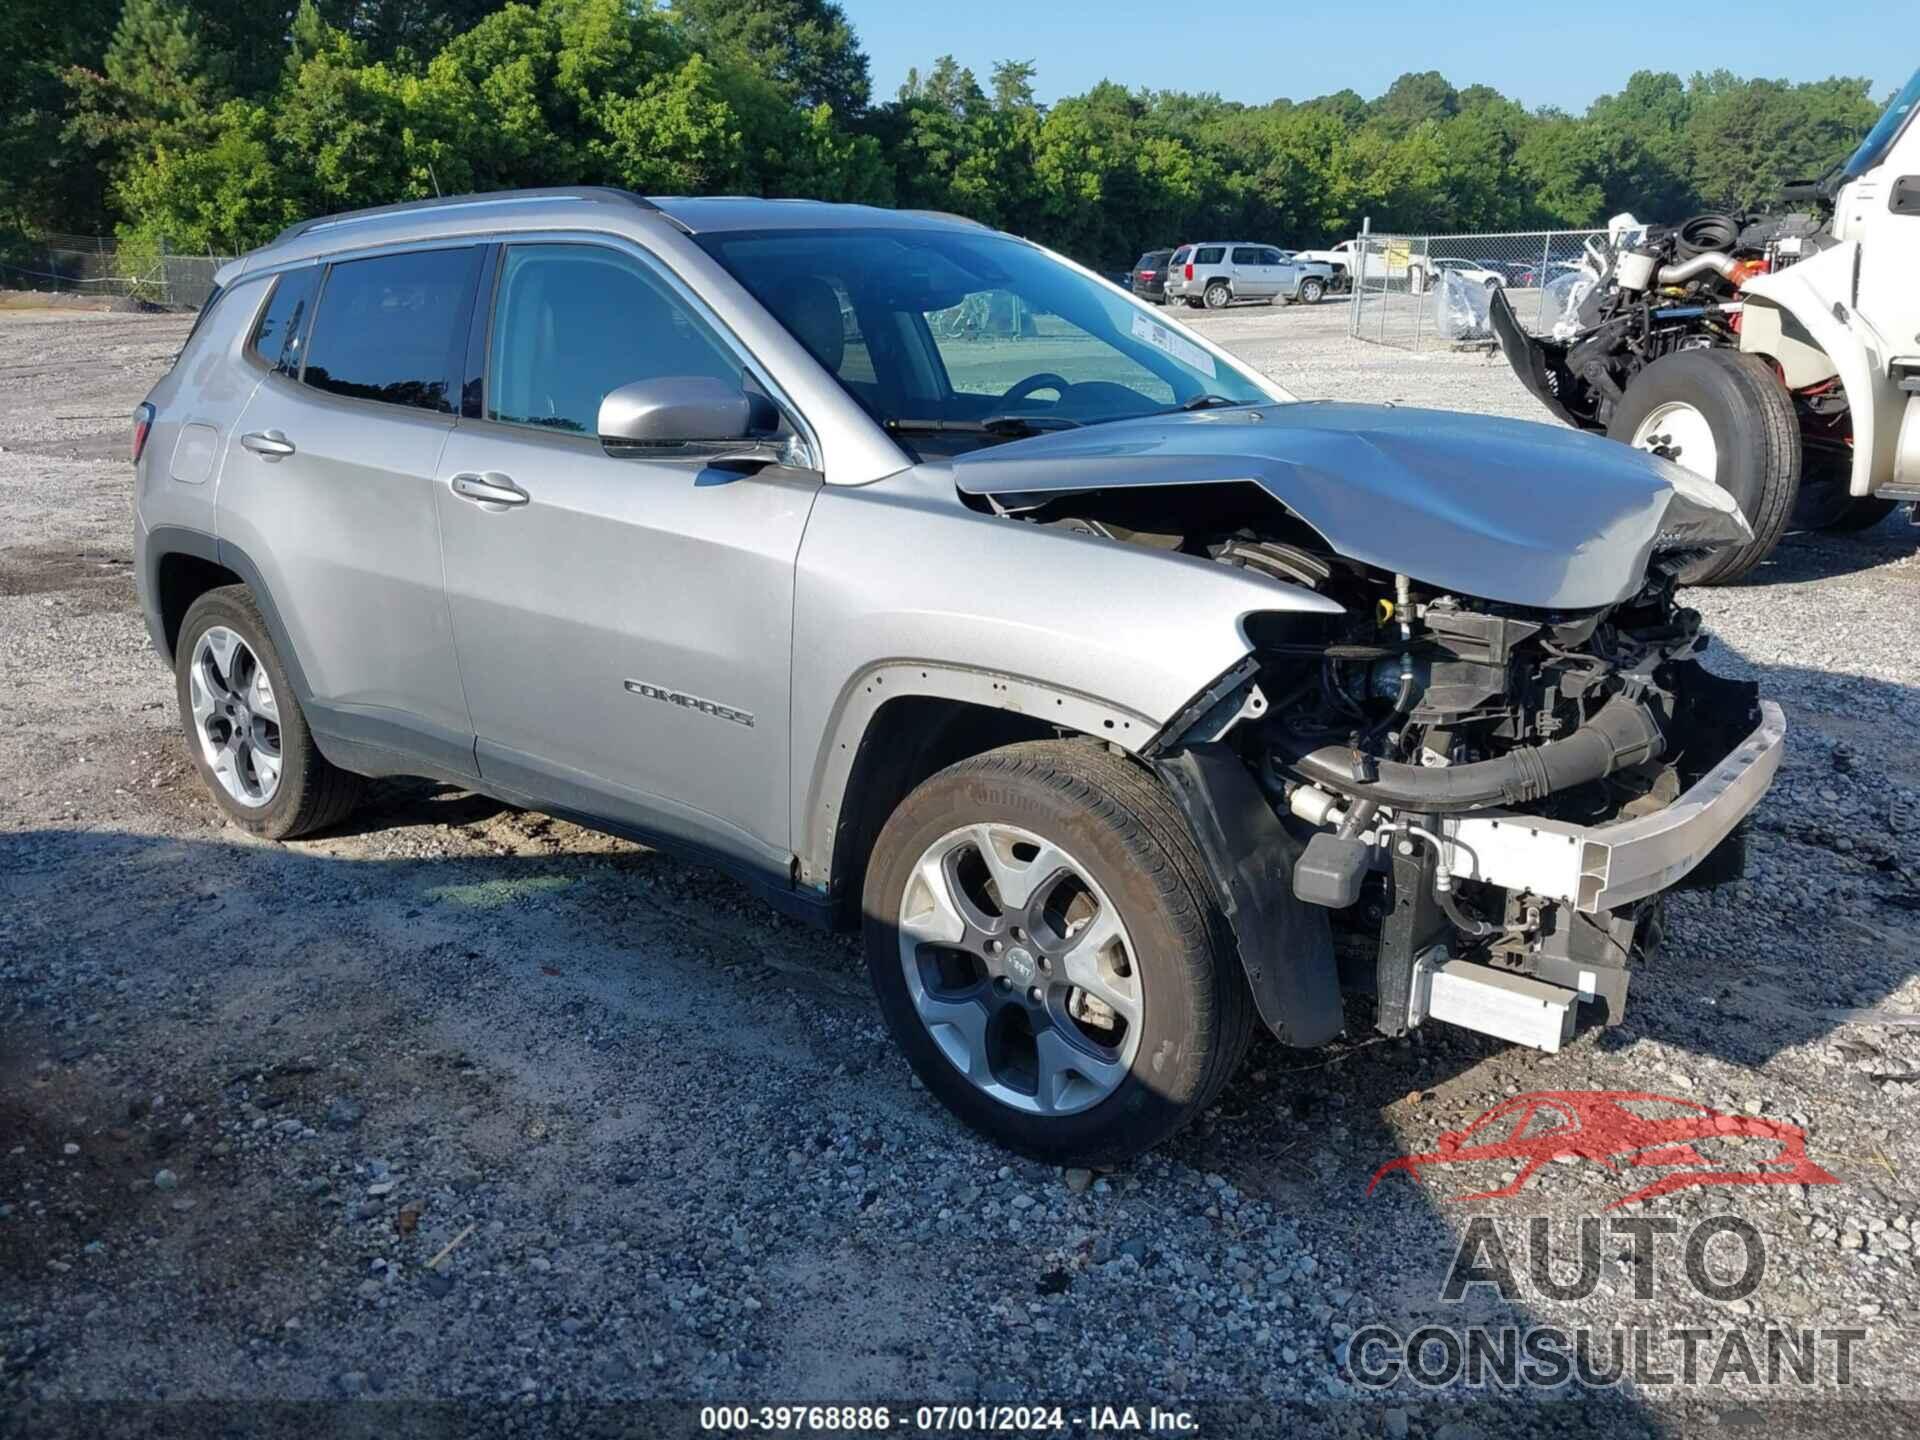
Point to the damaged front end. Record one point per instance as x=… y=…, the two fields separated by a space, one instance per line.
x=1467 y=807
x=1488 y=803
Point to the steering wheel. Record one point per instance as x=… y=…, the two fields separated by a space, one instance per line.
x=1045 y=380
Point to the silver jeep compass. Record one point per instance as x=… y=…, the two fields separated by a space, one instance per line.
x=935 y=587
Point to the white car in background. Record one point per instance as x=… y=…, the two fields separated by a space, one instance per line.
x=1423 y=270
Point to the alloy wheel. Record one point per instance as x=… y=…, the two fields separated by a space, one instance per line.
x=236 y=718
x=1021 y=969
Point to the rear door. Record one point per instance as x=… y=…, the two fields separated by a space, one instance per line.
x=328 y=491
x=624 y=625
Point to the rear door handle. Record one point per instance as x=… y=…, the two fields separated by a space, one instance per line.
x=268 y=444
x=489 y=489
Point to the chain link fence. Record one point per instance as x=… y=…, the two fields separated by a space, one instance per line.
x=103 y=266
x=1403 y=296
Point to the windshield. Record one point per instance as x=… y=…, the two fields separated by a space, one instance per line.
x=974 y=334
x=1885 y=130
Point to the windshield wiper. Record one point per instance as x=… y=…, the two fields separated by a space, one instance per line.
x=1005 y=427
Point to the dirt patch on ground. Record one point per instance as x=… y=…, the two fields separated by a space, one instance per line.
x=95 y=579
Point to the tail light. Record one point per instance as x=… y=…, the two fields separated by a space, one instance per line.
x=142 y=424
x=1189 y=270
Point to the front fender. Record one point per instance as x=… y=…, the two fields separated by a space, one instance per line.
x=903 y=590
x=1817 y=295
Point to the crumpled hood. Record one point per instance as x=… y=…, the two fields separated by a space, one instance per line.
x=1504 y=510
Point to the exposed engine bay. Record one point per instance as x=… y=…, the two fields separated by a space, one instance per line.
x=1661 y=290
x=1380 y=737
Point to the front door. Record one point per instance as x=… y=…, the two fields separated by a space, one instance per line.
x=1252 y=278
x=624 y=626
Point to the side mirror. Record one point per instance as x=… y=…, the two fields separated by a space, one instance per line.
x=692 y=416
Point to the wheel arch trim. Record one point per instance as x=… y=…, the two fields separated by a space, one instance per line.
x=886 y=681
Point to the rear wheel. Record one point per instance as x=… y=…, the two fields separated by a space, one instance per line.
x=1047 y=951
x=1218 y=296
x=1725 y=416
x=244 y=726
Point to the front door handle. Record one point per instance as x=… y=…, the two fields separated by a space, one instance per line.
x=491 y=488
x=268 y=444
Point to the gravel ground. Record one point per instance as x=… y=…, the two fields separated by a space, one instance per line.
x=247 y=1091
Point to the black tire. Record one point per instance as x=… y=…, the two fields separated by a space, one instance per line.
x=1218 y=295
x=1863 y=512
x=1311 y=292
x=313 y=793
x=1755 y=434
x=1121 y=825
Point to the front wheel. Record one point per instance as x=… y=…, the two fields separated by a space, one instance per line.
x=1312 y=291
x=245 y=729
x=1725 y=416
x=1049 y=954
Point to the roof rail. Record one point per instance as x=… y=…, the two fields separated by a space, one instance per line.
x=588 y=194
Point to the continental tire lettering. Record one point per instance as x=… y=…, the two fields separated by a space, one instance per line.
x=691 y=702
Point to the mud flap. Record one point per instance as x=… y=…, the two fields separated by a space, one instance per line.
x=1540 y=365
x=1286 y=946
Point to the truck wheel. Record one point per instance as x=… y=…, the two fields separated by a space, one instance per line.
x=1862 y=512
x=1048 y=952
x=1218 y=296
x=1726 y=416
x=244 y=727
x=1312 y=291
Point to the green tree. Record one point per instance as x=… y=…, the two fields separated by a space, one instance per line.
x=1749 y=137
x=1415 y=99
x=805 y=46
x=43 y=183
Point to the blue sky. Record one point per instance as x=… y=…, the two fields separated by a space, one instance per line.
x=1542 y=52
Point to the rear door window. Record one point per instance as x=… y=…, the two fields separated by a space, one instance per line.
x=394 y=328
x=277 y=336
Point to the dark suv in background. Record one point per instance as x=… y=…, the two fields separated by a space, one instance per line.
x=1150 y=276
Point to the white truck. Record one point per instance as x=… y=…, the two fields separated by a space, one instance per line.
x=1373 y=259
x=1778 y=355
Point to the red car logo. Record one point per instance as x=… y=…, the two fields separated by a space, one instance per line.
x=1624 y=1129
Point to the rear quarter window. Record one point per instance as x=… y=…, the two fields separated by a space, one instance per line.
x=1209 y=254
x=282 y=325
x=393 y=328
